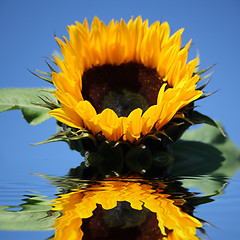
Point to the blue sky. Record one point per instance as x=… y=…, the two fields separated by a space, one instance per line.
x=27 y=35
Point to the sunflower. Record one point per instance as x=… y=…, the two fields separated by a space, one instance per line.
x=144 y=207
x=123 y=81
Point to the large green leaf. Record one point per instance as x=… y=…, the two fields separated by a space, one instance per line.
x=229 y=151
x=27 y=101
x=205 y=159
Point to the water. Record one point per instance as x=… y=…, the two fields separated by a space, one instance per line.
x=212 y=199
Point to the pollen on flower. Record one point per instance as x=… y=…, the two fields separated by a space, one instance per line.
x=121 y=87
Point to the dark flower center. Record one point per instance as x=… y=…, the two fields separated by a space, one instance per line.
x=121 y=88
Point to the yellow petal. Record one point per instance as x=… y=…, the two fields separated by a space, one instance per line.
x=67 y=116
x=66 y=99
x=110 y=124
x=135 y=122
x=85 y=110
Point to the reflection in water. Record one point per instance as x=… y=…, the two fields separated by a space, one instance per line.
x=126 y=209
x=114 y=208
x=34 y=214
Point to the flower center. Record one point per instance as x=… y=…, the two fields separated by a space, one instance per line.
x=121 y=88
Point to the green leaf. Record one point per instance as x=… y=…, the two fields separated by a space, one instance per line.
x=27 y=101
x=205 y=159
x=229 y=151
x=195 y=158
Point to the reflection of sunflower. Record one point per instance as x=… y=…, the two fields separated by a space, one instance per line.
x=123 y=80
x=77 y=206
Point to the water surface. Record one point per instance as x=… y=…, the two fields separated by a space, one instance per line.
x=26 y=207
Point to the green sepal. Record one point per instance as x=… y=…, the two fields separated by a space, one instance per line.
x=83 y=142
x=55 y=138
x=163 y=159
x=49 y=80
x=77 y=140
x=139 y=159
x=93 y=159
x=199 y=118
x=203 y=71
x=113 y=158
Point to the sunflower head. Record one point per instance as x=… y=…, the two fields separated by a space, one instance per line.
x=124 y=84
